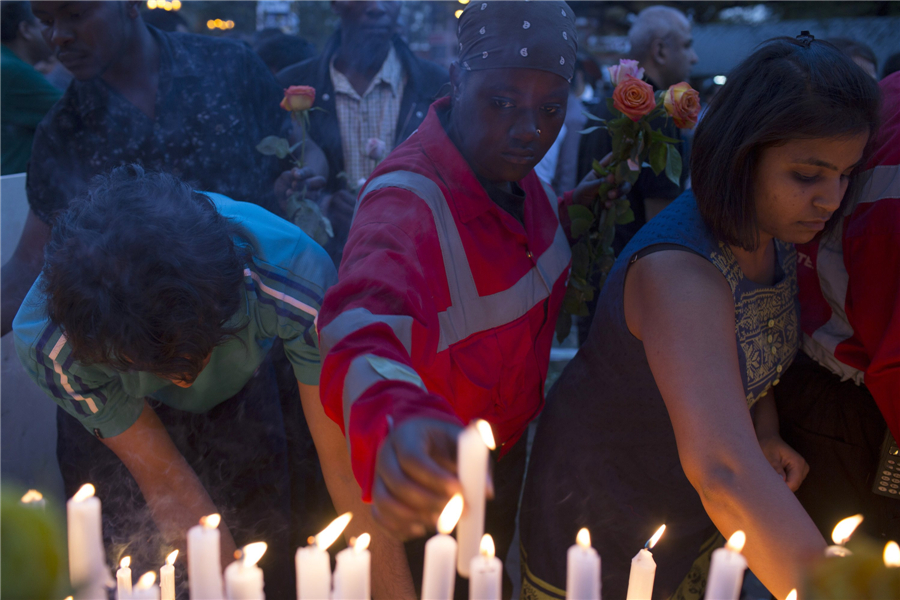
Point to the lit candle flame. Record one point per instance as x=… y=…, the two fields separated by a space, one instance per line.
x=484 y=428
x=652 y=541
x=844 y=529
x=361 y=543
x=736 y=541
x=211 y=521
x=450 y=515
x=146 y=581
x=328 y=535
x=84 y=492
x=69 y=598
x=891 y=555
x=792 y=595
x=487 y=546
x=583 y=538
x=32 y=496
x=125 y=562
x=170 y=559
x=251 y=553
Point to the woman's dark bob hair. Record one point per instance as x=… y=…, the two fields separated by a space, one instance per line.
x=143 y=274
x=786 y=90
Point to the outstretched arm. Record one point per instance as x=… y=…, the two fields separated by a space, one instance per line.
x=682 y=309
x=22 y=268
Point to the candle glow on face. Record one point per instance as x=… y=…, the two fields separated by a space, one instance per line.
x=327 y=536
x=792 y=595
x=32 y=496
x=170 y=559
x=361 y=543
x=84 y=492
x=146 y=581
x=211 y=521
x=484 y=428
x=844 y=529
x=450 y=515
x=583 y=538
x=251 y=553
x=487 y=546
x=652 y=541
x=891 y=555
x=125 y=562
x=736 y=541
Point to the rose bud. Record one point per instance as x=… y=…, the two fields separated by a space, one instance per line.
x=682 y=102
x=626 y=67
x=633 y=98
x=298 y=98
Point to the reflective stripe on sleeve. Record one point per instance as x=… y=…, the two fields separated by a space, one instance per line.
x=355 y=319
x=368 y=369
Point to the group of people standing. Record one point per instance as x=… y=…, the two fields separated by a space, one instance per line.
x=196 y=342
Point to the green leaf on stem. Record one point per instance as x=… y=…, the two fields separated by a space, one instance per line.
x=673 y=164
x=591 y=129
x=577 y=211
x=658 y=151
x=581 y=261
x=659 y=137
x=272 y=145
x=611 y=105
x=625 y=218
x=592 y=116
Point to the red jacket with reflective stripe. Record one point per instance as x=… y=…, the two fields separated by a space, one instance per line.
x=850 y=281
x=445 y=304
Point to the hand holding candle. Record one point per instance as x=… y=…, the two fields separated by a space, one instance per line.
x=123 y=578
x=204 y=562
x=167 y=577
x=726 y=570
x=313 y=563
x=352 y=572
x=841 y=535
x=643 y=570
x=439 y=576
x=582 y=569
x=486 y=573
x=473 y=448
x=243 y=579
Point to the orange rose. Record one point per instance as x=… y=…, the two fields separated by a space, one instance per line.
x=298 y=98
x=633 y=97
x=682 y=102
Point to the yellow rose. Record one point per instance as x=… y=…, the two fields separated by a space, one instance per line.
x=298 y=98
x=682 y=102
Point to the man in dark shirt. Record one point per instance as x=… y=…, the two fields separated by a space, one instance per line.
x=189 y=105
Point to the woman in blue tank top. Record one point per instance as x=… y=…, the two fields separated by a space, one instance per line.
x=665 y=415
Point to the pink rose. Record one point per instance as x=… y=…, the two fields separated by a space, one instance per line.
x=298 y=98
x=682 y=102
x=633 y=98
x=375 y=149
x=625 y=68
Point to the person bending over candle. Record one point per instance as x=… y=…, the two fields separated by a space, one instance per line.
x=151 y=323
x=666 y=413
x=451 y=281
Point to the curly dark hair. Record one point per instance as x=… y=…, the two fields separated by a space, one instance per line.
x=143 y=273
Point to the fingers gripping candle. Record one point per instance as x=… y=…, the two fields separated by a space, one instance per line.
x=643 y=570
x=473 y=450
x=726 y=570
x=313 y=563
x=582 y=569
x=204 y=562
x=439 y=574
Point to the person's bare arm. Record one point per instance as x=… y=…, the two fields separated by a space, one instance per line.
x=173 y=492
x=391 y=578
x=682 y=309
x=21 y=270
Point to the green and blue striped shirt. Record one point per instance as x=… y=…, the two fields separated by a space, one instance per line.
x=284 y=285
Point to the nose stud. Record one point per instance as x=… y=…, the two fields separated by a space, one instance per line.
x=538 y=131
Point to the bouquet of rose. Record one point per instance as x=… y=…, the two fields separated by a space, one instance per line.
x=635 y=144
x=300 y=210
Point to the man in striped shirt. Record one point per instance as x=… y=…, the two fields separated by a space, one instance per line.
x=151 y=324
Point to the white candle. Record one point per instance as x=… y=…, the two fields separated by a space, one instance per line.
x=486 y=573
x=34 y=499
x=167 y=577
x=726 y=570
x=439 y=575
x=123 y=578
x=841 y=535
x=87 y=558
x=582 y=569
x=473 y=449
x=643 y=570
x=313 y=563
x=352 y=580
x=204 y=561
x=146 y=588
x=243 y=579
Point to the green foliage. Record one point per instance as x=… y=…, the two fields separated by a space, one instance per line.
x=272 y=145
x=673 y=165
x=658 y=152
